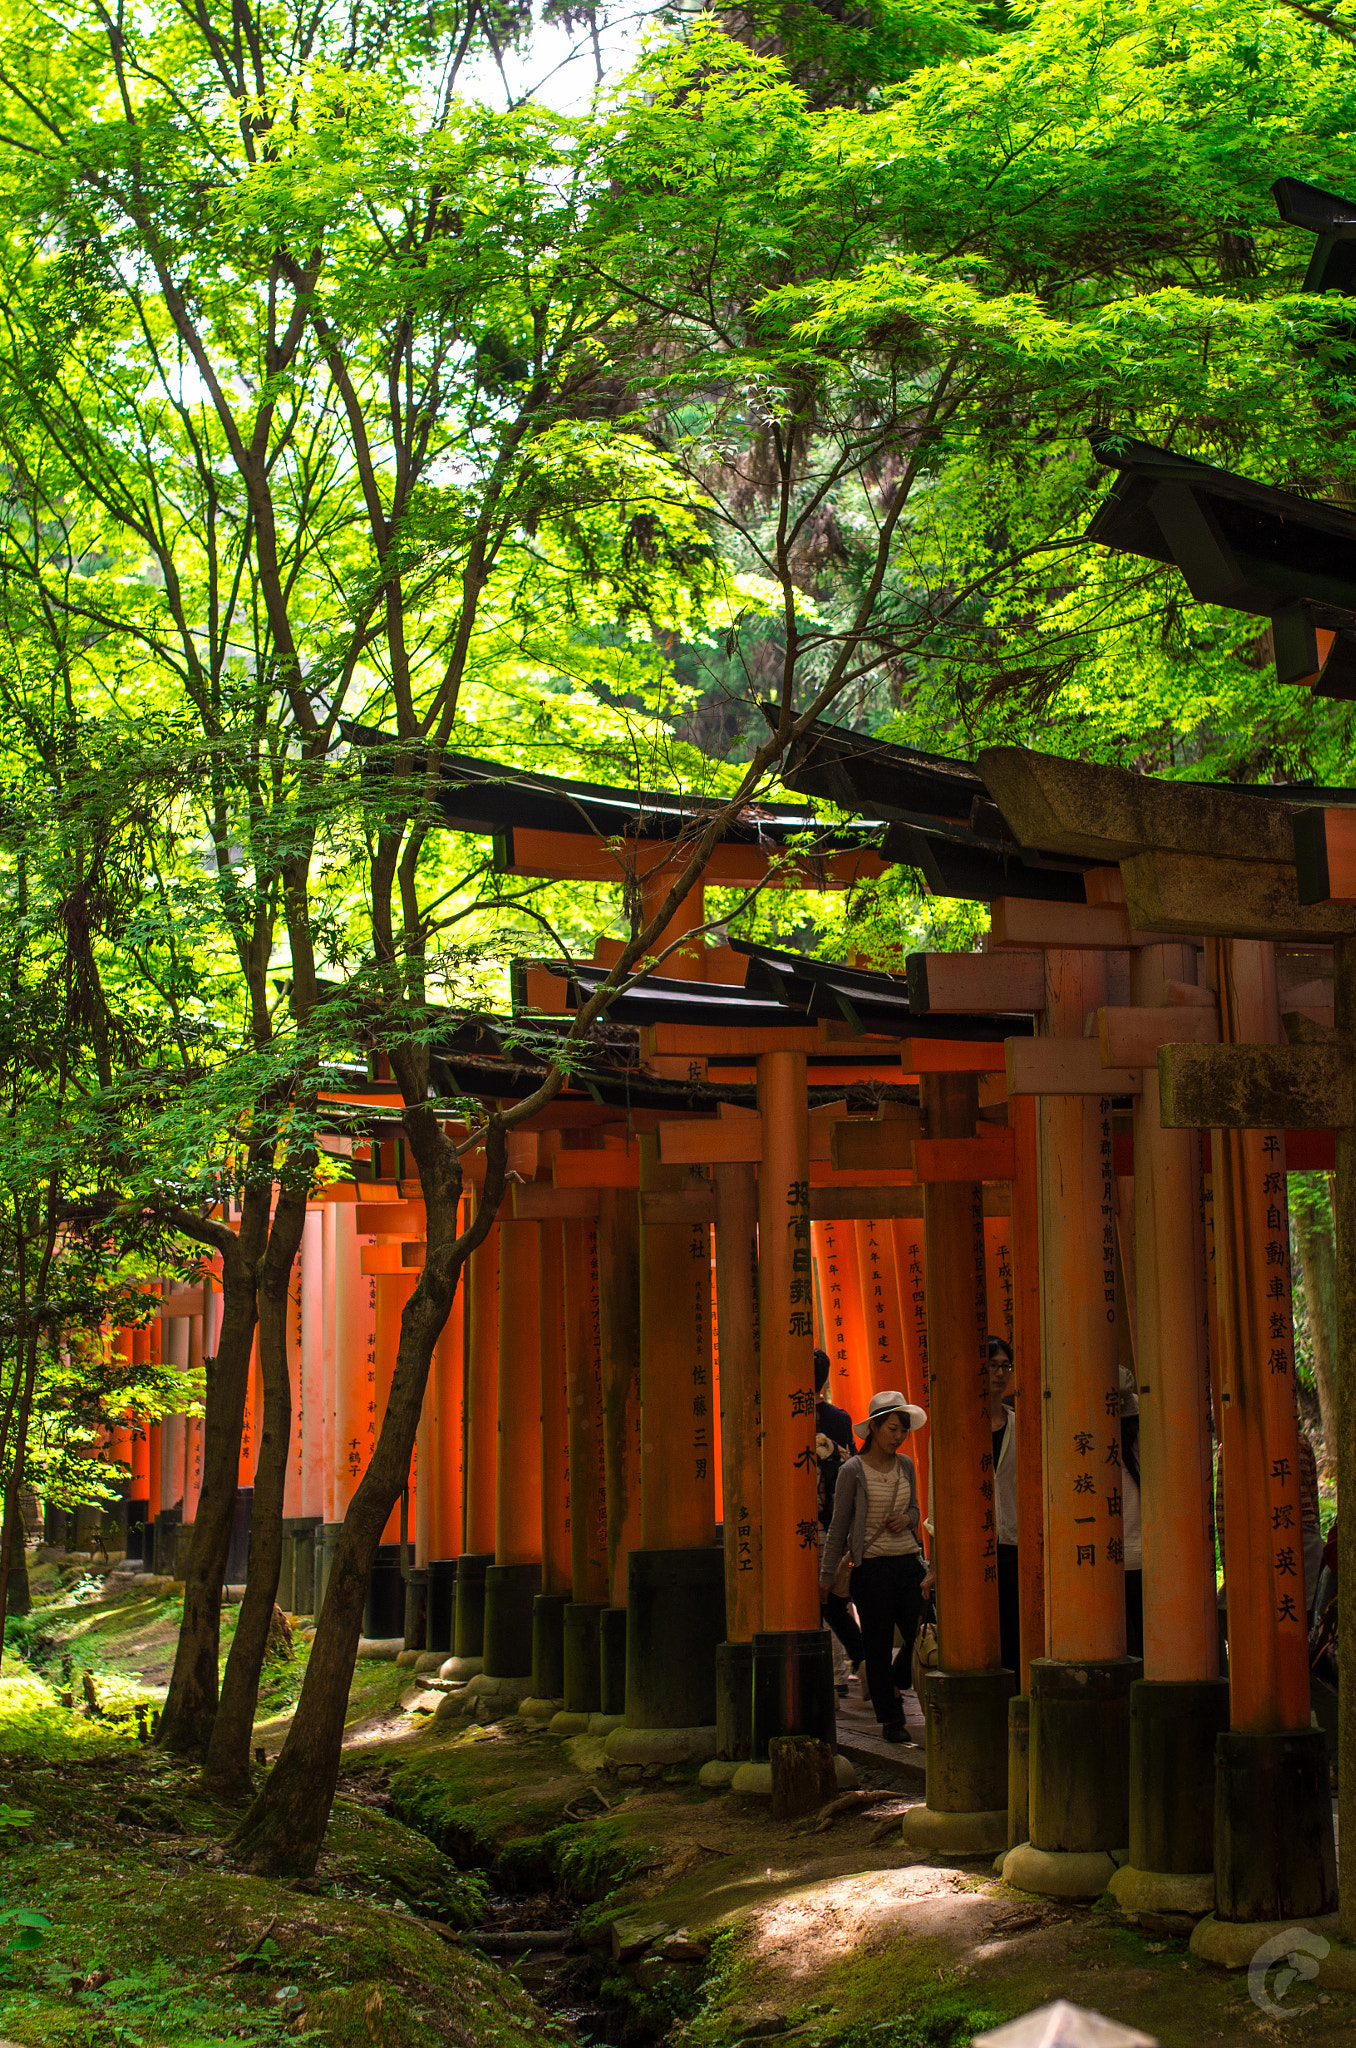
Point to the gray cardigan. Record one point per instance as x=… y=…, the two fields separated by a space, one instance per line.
x=848 y=1528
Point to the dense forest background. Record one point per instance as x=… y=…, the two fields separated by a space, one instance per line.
x=598 y=395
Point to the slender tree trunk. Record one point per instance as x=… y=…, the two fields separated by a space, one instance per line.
x=19 y=1598
x=1318 y=1271
x=12 y=1528
x=282 y=1833
x=191 y=1704
x=1344 y=1220
x=226 y=1772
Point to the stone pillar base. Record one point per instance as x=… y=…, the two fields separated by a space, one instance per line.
x=1019 y=1769
x=675 y=1609
x=754 y=1780
x=327 y=1538
x=792 y=1687
x=469 y=1634
x=628 y=1745
x=548 y=1645
x=1058 y=1873
x=384 y=1614
x=1080 y=1756
x=459 y=1669
x=510 y=1590
x=440 y=1616
x=534 y=1709
x=967 y=1744
x=1180 y=1896
x=1232 y=1944
x=734 y=1701
x=603 y=1724
x=1174 y=1726
x=583 y=1673
x=567 y=1722
x=956 y=1834
x=1274 y=1851
x=612 y=1663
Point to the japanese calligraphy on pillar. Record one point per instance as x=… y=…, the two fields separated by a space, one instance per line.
x=597 y=1533
x=370 y=1364
x=699 y=1253
x=1267 y=1165
x=800 y=1324
x=1097 y=1505
x=998 y=1276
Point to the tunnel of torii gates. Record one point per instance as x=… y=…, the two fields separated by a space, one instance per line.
x=1077 y=1138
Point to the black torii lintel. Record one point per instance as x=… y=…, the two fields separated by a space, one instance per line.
x=1332 y=267
x=1243 y=545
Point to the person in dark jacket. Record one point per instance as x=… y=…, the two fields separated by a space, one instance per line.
x=834 y=1443
x=876 y=1523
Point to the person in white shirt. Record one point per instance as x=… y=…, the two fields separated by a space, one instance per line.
x=875 y=1525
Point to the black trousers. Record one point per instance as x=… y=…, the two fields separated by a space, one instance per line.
x=838 y=1615
x=886 y=1592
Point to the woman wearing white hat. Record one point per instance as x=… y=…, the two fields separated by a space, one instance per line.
x=875 y=1530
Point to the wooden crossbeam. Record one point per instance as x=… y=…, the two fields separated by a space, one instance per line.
x=992 y=1155
x=976 y=983
x=1325 y=856
x=1085 y=927
x=187 y=1301
x=534 y=1201
x=868 y=1142
x=581 y=857
x=389 y=1219
x=1066 y=1066
x=597 y=1169
x=1131 y=1037
x=1256 y=1087
x=950 y=1055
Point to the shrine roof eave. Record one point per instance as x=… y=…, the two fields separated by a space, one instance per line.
x=1247 y=546
x=481 y=796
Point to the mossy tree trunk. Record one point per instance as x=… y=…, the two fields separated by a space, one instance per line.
x=1312 y=1225
x=282 y=1833
x=191 y=1703
x=18 y=1598
x=226 y=1771
x=1344 y=1219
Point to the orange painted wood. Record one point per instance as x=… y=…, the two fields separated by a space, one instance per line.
x=293 y=1484
x=988 y=1156
x=329 y=1289
x=695 y=1203
x=442 y=1496
x=834 y=1246
x=597 y=1169
x=879 y=1144
x=584 y=1382
x=736 y=1191
x=716 y=1040
x=911 y=1285
x=141 y=1461
x=1181 y=1622
x=391 y=1219
x=880 y=1303
x=689 y=962
x=846 y=1203
x=1131 y=1037
x=517 y=1500
x=390 y=1293
x=355 y=1352
x=1338 y=837
x=950 y=1056
x=153 y=1469
x=482 y=1395
x=677 y=1392
x=1259 y=1429
x=582 y=857
x=998 y=1278
x=714 y=1141
x=964 y=1547
x=1084 y=1525
x=533 y=1201
x=385 y=1258
x=1087 y=926
x=1028 y=1405
x=979 y=982
x=786 y=1337
x=1066 y=1066
x=557 y=1573
x=619 y=1329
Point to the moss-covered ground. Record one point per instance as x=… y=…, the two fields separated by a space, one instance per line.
x=835 y=1939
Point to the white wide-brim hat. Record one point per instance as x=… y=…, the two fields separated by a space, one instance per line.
x=891 y=1403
